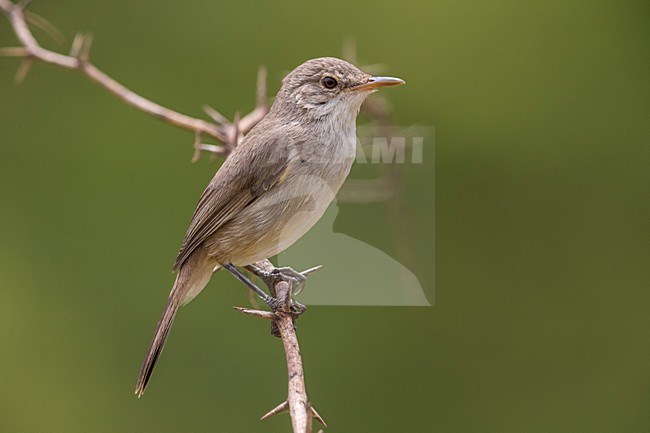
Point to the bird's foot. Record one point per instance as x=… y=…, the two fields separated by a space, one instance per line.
x=296 y=279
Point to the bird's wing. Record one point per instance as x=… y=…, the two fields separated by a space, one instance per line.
x=247 y=173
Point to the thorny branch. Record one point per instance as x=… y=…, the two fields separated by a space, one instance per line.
x=79 y=60
x=300 y=409
x=230 y=135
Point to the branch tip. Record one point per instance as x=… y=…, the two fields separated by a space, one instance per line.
x=23 y=70
x=235 y=135
x=77 y=43
x=213 y=149
x=217 y=117
x=84 y=51
x=197 y=146
x=256 y=313
x=311 y=270
x=14 y=52
x=317 y=416
x=52 y=31
x=282 y=407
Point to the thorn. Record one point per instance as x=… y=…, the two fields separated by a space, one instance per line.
x=77 y=43
x=197 y=146
x=213 y=149
x=257 y=313
x=23 y=69
x=311 y=270
x=84 y=53
x=261 y=86
x=14 y=52
x=317 y=417
x=235 y=130
x=282 y=407
x=52 y=31
x=219 y=118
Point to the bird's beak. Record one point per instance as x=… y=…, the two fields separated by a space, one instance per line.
x=376 y=82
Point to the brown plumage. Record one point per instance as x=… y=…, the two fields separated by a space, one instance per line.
x=275 y=185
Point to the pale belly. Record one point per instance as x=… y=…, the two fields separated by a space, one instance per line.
x=278 y=218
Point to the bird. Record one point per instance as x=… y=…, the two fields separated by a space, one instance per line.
x=274 y=186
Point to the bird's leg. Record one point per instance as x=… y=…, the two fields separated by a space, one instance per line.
x=271 y=279
x=270 y=301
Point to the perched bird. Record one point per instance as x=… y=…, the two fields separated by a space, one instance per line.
x=275 y=185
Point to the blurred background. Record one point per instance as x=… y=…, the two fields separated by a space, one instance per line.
x=540 y=321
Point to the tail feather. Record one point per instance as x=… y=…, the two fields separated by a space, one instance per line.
x=157 y=344
x=192 y=277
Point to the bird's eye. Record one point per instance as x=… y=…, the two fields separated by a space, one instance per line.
x=330 y=82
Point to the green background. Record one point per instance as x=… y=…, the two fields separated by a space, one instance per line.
x=540 y=324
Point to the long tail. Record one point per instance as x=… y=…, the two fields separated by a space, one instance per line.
x=191 y=279
x=159 y=338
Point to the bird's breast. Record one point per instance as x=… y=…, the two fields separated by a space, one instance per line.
x=291 y=208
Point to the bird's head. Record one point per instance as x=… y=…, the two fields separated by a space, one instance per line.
x=326 y=86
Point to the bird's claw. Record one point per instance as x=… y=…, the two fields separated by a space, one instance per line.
x=296 y=279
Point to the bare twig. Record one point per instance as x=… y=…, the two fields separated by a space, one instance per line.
x=299 y=406
x=301 y=411
x=79 y=60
